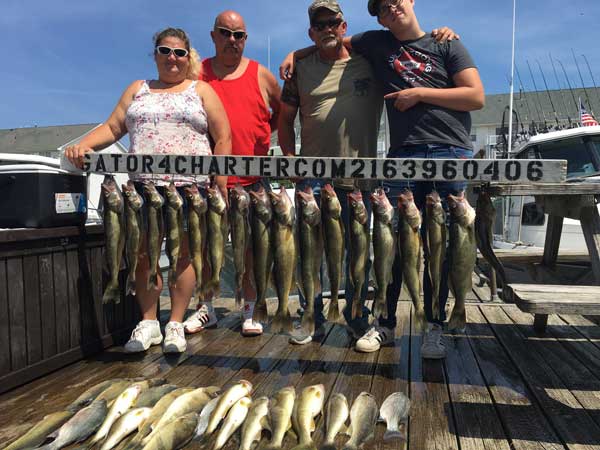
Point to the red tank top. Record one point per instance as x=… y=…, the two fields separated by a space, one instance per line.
x=247 y=112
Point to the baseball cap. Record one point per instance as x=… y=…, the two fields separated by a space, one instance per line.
x=331 y=5
x=373 y=7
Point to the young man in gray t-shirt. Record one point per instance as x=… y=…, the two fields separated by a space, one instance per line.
x=430 y=88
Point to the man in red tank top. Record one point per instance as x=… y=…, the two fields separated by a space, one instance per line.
x=250 y=95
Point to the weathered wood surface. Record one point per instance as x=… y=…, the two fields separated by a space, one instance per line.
x=587 y=188
x=535 y=254
x=549 y=299
x=501 y=387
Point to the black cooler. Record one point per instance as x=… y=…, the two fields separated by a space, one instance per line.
x=38 y=196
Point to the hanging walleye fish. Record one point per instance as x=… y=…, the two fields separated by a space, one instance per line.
x=333 y=240
x=435 y=247
x=174 y=230
x=262 y=215
x=114 y=231
x=463 y=256
x=359 y=249
x=197 y=207
x=484 y=226
x=239 y=201
x=384 y=249
x=134 y=226
x=154 y=203
x=311 y=253
x=217 y=230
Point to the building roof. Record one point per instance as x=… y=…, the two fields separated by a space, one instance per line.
x=40 y=139
x=527 y=105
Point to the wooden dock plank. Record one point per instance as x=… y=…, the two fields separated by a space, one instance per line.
x=583 y=383
x=431 y=423
x=522 y=419
x=31 y=289
x=17 y=316
x=574 y=425
x=584 y=326
x=477 y=423
x=47 y=306
x=5 y=357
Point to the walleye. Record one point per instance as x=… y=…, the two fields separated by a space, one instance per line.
x=120 y=406
x=262 y=215
x=280 y=416
x=191 y=402
x=435 y=246
x=363 y=418
x=150 y=397
x=394 y=411
x=236 y=392
x=205 y=416
x=81 y=426
x=154 y=203
x=174 y=230
x=157 y=412
x=333 y=239
x=463 y=256
x=256 y=421
x=115 y=389
x=484 y=226
x=134 y=226
x=239 y=201
x=114 y=231
x=196 y=233
x=234 y=420
x=309 y=405
x=409 y=246
x=90 y=395
x=311 y=251
x=384 y=249
x=126 y=425
x=284 y=257
x=217 y=230
x=37 y=435
x=359 y=249
x=175 y=435
x=338 y=412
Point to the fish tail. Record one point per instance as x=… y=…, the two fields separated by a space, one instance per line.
x=380 y=308
x=111 y=295
x=131 y=284
x=307 y=446
x=333 y=315
x=198 y=293
x=328 y=446
x=393 y=434
x=282 y=323
x=458 y=319
x=435 y=308
x=356 y=306
x=420 y=320
x=260 y=313
x=213 y=286
x=153 y=281
x=308 y=322
x=238 y=297
x=272 y=447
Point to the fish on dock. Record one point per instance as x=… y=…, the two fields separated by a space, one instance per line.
x=308 y=406
x=234 y=420
x=37 y=435
x=280 y=416
x=338 y=412
x=394 y=412
x=363 y=418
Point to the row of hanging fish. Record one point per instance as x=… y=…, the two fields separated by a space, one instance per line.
x=140 y=414
x=288 y=241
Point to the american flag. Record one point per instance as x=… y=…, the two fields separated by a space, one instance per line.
x=587 y=120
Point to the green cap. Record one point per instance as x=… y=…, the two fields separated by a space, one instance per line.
x=330 y=5
x=373 y=7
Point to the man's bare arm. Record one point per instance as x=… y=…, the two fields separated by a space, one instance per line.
x=273 y=92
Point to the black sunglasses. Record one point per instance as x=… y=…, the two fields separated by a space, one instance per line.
x=331 y=23
x=166 y=51
x=227 y=33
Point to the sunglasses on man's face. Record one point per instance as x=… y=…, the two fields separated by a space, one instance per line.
x=322 y=25
x=386 y=7
x=227 y=33
x=166 y=51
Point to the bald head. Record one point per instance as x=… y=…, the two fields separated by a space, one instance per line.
x=231 y=20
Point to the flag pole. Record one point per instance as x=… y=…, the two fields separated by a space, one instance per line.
x=512 y=79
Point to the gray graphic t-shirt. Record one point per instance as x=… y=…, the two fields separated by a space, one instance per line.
x=419 y=63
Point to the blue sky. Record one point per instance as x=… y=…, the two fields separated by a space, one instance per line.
x=67 y=61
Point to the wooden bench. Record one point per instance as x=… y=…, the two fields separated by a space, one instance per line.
x=544 y=299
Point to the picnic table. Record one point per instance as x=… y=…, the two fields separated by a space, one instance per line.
x=574 y=200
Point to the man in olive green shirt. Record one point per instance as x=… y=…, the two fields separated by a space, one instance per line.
x=340 y=107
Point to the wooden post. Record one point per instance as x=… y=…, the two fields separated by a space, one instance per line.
x=590 y=224
x=553 y=232
x=539 y=323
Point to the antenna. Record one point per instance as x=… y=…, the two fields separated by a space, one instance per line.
x=548 y=92
x=538 y=96
x=512 y=79
x=592 y=76
x=562 y=92
x=569 y=84
x=522 y=89
x=587 y=97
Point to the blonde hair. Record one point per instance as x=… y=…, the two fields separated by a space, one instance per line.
x=195 y=65
x=194 y=58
